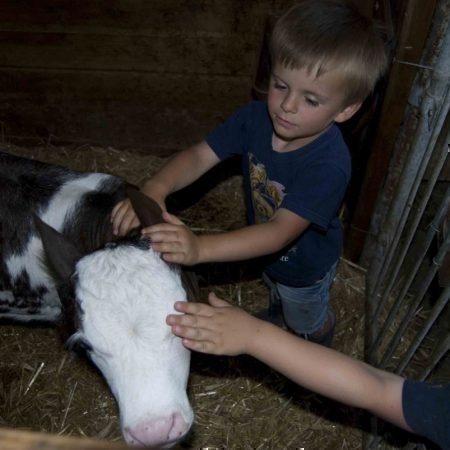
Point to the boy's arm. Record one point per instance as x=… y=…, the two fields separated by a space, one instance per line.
x=224 y=329
x=179 y=245
x=181 y=170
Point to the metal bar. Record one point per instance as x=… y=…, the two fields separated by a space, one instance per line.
x=434 y=107
x=437 y=168
x=424 y=246
x=401 y=204
x=440 y=305
x=439 y=353
x=411 y=177
x=417 y=299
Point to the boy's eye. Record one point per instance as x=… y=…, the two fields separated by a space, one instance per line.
x=311 y=101
x=278 y=85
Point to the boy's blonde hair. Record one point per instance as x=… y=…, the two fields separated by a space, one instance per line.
x=326 y=35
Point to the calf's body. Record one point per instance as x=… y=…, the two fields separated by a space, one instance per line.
x=117 y=293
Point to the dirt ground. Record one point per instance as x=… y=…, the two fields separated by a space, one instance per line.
x=238 y=402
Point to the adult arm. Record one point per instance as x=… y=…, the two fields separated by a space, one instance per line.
x=224 y=329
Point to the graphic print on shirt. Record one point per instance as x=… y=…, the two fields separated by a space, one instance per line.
x=267 y=194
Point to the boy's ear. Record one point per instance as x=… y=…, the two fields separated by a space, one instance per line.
x=347 y=112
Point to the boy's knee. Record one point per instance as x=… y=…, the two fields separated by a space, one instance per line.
x=322 y=334
x=304 y=322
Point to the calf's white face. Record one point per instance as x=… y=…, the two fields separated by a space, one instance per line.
x=54 y=224
x=125 y=294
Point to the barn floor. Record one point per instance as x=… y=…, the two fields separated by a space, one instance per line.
x=238 y=402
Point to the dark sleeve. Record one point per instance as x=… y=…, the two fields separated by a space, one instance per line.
x=229 y=138
x=426 y=408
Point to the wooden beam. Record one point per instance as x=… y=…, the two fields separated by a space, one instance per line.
x=11 y=439
x=416 y=23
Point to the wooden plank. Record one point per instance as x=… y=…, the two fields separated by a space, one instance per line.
x=417 y=19
x=180 y=53
x=173 y=90
x=27 y=440
x=134 y=16
x=143 y=111
x=15 y=439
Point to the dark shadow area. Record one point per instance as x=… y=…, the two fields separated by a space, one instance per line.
x=190 y=195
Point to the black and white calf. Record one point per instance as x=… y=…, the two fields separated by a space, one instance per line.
x=117 y=292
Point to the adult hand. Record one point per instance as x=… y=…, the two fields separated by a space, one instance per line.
x=219 y=329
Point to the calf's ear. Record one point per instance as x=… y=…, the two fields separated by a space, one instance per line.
x=146 y=209
x=150 y=213
x=61 y=254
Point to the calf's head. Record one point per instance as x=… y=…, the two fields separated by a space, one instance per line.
x=123 y=294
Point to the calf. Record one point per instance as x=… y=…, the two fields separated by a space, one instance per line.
x=59 y=259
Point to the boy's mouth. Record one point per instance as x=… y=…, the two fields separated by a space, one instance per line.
x=282 y=122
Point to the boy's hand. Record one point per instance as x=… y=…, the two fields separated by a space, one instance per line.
x=219 y=329
x=123 y=218
x=174 y=240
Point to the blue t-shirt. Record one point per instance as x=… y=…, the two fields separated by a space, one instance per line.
x=426 y=408
x=310 y=181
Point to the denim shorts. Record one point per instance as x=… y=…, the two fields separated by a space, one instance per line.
x=305 y=309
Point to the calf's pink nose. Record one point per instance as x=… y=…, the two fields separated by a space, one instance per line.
x=157 y=432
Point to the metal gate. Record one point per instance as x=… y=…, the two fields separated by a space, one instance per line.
x=407 y=251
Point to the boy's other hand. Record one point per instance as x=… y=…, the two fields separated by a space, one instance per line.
x=123 y=218
x=174 y=240
x=219 y=329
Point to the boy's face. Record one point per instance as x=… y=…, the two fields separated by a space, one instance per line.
x=302 y=106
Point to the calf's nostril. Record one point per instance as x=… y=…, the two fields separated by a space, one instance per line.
x=157 y=432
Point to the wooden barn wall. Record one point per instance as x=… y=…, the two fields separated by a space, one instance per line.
x=148 y=74
x=154 y=75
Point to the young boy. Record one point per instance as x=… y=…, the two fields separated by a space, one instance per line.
x=326 y=58
x=222 y=329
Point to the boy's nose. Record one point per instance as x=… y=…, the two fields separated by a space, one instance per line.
x=289 y=104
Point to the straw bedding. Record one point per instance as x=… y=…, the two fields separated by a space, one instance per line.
x=239 y=403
